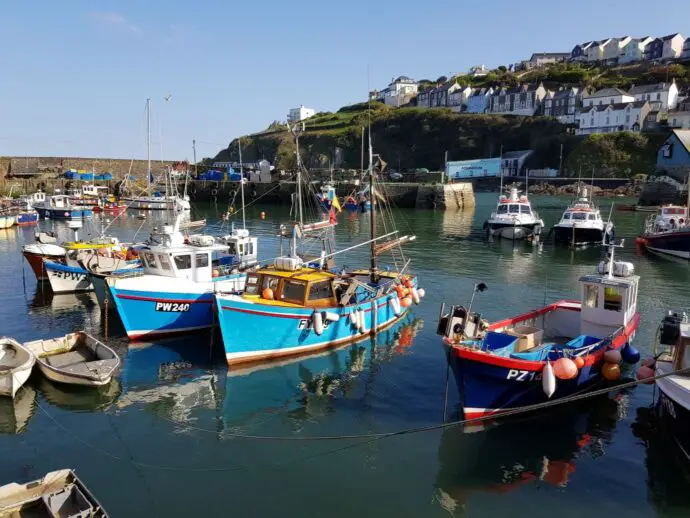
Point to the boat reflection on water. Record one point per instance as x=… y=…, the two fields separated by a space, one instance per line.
x=517 y=452
x=75 y=398
x=45 y=298
x=16 y=413
x=458 y=223
x=180 y=382
x=668 y=471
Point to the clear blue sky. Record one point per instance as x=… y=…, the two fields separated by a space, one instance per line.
x=74 y=75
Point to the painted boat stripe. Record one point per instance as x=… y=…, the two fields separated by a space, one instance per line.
x=292 y=315
x=158 y=299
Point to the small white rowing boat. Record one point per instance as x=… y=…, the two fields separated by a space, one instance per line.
x=58 y=493
x=75 y=359
x=16 y=363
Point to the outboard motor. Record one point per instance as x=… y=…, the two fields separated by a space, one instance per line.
x=669 y=330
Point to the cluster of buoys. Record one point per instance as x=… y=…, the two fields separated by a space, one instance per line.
x=647 y=369
x=611 y=369
x=358 y=320
x=408 y=293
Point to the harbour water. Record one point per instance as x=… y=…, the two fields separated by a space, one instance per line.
x=177 y=434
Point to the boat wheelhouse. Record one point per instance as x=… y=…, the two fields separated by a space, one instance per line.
x=581 y=224
x=507 y=364
x=514 y=218
x=668 y=232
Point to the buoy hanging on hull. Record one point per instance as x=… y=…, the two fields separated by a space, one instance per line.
x=395 y=305
x=548 y=380
x=317 y=322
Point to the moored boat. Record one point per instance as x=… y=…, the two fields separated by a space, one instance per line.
x=37 y=253
x=56 y=494
x=7 y=220
x=514 y=218
x=581 y=224
x=668 y=232
x=60 y=207
x=75 y=359
x=546 y=354
x=16 y=363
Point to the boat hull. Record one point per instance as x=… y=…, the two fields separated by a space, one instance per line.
x=150 y=313
x=64 y=213
x=509 y=231
x=36 y=261
x=578 y=236
x=674 y=415
x=60 y=377
x=7 y=221
x=676 y=244
x=67 y=279
x=491 y=384
x=256 y=332
x=25 y=219
x=10 y=383
x=13 y=376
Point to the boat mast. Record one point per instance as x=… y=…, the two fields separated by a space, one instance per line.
x=372 y=213
x=299 y=178
x=148 y=145
x=239 y=147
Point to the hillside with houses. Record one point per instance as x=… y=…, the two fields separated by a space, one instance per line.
x=573 y=110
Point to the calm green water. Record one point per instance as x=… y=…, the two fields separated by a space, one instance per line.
x=159 y=441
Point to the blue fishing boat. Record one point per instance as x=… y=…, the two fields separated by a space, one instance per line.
x=549 y=353
x=60 y=207
x=293 y=307
x=181 y=275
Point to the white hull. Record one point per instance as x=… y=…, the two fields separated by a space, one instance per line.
x=12 y=382
x=514 y=233
x=59 y=377
x=7 y=221
x=156 y=203
x=68 y=282
x=15 y=367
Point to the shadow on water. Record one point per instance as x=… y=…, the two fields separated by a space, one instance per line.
x=501 y=457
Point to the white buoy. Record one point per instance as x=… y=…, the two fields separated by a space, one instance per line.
x=415 y=295
x=317 y=322
x=421 y=292
x=363 y=322
x=353 y=318
x=331 y=317
x=548 y=380
x=395 y=305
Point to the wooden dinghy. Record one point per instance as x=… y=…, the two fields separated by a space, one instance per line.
x=16 y=363
x=57 y=494
x=75 y=359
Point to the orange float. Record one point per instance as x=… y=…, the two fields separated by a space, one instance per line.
x=565 y=369
x=579 y=361
x=611 y=371
x=267 y=294
x=406 y=302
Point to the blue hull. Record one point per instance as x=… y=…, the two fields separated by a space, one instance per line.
x=27 y=218
x=146 y=314
x=64 y=213
x=257 y=332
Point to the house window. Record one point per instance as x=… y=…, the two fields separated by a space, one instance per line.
x=658 y=97
x=607 y=121
x=627 y=118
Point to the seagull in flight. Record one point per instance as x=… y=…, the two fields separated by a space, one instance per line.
x=167 y=98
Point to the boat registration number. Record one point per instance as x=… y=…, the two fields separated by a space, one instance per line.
x=172 y=307
x=518 y=375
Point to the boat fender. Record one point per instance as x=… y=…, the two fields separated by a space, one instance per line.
x=353 y=318
x=415 y=295
x=611 y=371
x=362 y=322
x=330 y=316
x=649 y=362
x=548 y=380
x=421 y=293
x=630 y=354
x=565 y=369
x=406 y=302
x=613 y=356
x=395 y=305
x=579 y=361
x=645 y=373
x=317 y=322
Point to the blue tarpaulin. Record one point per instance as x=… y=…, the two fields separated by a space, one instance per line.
x=86 y=176
x=104 y=176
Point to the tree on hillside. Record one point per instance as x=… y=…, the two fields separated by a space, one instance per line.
x=503 y=69
x=441 y=79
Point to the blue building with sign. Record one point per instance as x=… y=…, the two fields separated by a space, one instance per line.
x=478 y=168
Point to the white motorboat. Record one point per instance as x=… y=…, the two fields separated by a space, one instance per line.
x=514 y=218
x=581 y=224
x=75 y=359
x=16 y=363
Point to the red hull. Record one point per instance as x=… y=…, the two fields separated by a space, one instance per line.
x=36 y=263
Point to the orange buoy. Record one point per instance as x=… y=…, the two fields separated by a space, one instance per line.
x=645 y=373
x=649 y=362
x=613 y=356
x=640 y=240
x=407 y=282
x=565 y=369
x=611 y=371
x=579 y=362
x=215 y=273
x=406 y=302
x=267 y=294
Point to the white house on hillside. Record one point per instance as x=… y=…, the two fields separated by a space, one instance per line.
x=457 y=100
x=673 y=46
x=614 y=47
x=607 y=96
x=400 y=91
x=686 y=49
x=479 y=100
x=607 y=118
x=665 y=94
x=595 y=52
x=299 y=114
x=634 y=49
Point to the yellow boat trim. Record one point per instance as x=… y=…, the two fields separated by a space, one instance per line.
x=303 y=274
x=258 y=299
x=86 y=246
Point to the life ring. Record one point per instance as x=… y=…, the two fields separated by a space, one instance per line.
x=214 y=192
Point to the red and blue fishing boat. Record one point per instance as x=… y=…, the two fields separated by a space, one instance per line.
x=545 y=354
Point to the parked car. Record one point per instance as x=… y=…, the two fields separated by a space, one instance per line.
x=396 y=177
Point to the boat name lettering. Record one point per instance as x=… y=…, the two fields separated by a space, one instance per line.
x=172 y=307
x=69 y=276
x=306 y=323
x=518 y=375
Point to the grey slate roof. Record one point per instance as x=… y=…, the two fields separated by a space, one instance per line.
x=684 y=137
x=614 y=106
x=648 y=89
x=608 y=92
x=670 y=36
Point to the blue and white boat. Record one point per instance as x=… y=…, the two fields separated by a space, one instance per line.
x=60 y=206
x=175 y=293
x=292 y=307
x=549 y=353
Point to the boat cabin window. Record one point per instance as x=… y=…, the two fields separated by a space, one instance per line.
x=165 y=263
x=525 y=209
x=502 y=209
x=232 y=248
x=591 y=296
x=252 y=284
x=149 y=260
x=293 y=291
x=183 y=262
x=270 y=282
x=591 y=217
x=250 y=248
x=514 y=209
x=613 y=298
x=580 y=216
x=674 y=210
x=320 y=290
x=567 y=215
x=201 y=260
x=240 y=249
